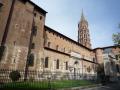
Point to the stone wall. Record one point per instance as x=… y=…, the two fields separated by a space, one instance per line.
x=60 y=44
x=19 y=33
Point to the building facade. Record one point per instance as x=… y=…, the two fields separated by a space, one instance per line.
x=110 y=58
x=28 y=44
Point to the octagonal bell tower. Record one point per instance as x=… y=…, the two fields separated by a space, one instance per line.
x=83 y=32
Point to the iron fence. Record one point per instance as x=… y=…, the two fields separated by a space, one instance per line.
x=39 y=78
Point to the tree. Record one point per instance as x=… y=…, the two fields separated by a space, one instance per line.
x=100 y=73
x=116 y=38
x=100 y=69
x=14 y=75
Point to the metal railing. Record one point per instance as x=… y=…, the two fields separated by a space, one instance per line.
x=44 y=79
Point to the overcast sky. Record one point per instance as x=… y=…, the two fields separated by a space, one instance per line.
x=103 y=17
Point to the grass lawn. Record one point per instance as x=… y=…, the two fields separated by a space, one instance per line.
x=45 y=84
x=71 y=83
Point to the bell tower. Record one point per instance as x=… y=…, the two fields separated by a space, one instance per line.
x=83 y=32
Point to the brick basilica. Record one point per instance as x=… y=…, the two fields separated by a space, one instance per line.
x=26 y=42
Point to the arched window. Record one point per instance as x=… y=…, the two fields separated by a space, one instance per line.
x=46 y=62
x=94 y=60
x=57 y=64
x=64 y=50
x=34 y=31
x=117 y=67
x=40 y=17
x=116 y=56
x=31 y=60
x=66 y=65
x=57 y=47
x=49 y=43
x=33 y=46
x=35 y=14
x=76 y=62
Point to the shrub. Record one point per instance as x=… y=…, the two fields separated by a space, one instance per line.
x=31 y=79
x=14 y=75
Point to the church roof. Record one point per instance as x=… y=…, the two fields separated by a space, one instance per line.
x=115 y=46
x=75 y=42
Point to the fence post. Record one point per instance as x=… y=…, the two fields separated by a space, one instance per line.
x=49 y=83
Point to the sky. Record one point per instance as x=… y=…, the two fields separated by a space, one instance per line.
x=103 y=17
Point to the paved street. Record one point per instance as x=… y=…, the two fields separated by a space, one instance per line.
x=112 y=86
x=101 y=88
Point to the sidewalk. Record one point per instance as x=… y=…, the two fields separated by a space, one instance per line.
x=81 y=87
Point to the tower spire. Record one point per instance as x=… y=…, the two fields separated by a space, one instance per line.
x=82 y=16
x=83 y=32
